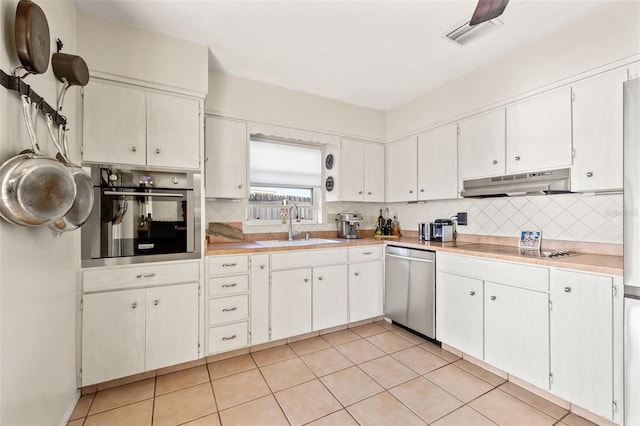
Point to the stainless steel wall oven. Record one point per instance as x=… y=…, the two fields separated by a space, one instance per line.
x=142 y=216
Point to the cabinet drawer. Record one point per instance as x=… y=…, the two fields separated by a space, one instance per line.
x=221 y=286
x=365 y=253
x=223 y=265
x=227 y=309
x=227 y=337
x=515 y=274
x=101 y=279
x=308 y=259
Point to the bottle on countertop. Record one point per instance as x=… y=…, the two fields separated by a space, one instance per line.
x=395 y=227
x=381 y=221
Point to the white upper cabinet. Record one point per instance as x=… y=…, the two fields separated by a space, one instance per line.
x=539 y=132
x=226 y=154
x=482 y=145
x=401 y=170
x=597 y=133
x=114 y=129
x=124 y=124
x=173 y=128
x=361 y=171
x=438 y=164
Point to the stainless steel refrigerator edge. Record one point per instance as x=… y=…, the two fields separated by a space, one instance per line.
x=632 y=252
x=409 y=297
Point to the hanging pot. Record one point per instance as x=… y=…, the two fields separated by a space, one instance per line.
x=34 y=189
x=32 y=37
x=83 y=203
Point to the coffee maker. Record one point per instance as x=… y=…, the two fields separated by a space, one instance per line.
x=349 y=225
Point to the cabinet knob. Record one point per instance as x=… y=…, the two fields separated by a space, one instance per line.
x=134 y=305
x=229 y=338
x=357 y=274
x=134 y=149
x=239 y=186
x=589 y=174
x=517 y=158
x=156 y=302
x=261 y=266
x=157 y=150
x=306 y=280
x=411 y=191
x=493 y=298
x=359 y=192
x=320 y=278
x=495 y=162
x=567 y=289
x=421 y=190
x=229 y=309
x=472 y=293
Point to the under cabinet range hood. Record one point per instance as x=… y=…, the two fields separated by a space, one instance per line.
x=547 y=182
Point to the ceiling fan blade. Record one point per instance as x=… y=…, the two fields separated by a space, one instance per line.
x=487 y=9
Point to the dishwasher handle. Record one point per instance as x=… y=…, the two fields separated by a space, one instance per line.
x=413 y=259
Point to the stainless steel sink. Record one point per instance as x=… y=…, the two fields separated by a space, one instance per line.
x=295 y=243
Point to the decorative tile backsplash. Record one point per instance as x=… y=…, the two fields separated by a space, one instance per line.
x=572 y=217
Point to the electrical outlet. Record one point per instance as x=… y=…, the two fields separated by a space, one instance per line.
x=462 y=218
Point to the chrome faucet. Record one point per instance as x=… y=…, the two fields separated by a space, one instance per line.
x=292 y=233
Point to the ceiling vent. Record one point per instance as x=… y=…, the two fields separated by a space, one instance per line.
x=465 y=33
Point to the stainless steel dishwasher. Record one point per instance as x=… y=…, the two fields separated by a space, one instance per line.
x=409 y=297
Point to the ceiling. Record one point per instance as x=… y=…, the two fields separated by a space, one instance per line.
x=377 y=54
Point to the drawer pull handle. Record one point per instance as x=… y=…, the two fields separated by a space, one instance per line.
x=227 y=265
x=367 y=253
x=134 y=305
x=151 y=275
x=493 y=298
x=229 y=309
x=357 y=274
x=262 y=266
x=229 y=338
x=567 y=289
x=472 y=293
x=156 y=302
x=229 y=285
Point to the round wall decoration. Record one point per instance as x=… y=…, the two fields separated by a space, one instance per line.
x=329 y=184
x=328 y=162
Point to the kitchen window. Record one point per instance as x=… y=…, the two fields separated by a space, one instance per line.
x=283 y=173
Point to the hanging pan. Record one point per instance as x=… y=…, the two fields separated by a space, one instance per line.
x=34 y=189
x=83 y=203
x=32 y=37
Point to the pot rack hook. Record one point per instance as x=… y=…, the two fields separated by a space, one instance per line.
x=59 y=45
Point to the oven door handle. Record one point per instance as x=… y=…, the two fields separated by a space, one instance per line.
x=144 y=194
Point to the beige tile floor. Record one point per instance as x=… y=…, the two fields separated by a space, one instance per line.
x=374 y=374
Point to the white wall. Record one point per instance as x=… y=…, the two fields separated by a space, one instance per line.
x=116 y=49
x=38 y=271
x=607 y=35
x=252 y=100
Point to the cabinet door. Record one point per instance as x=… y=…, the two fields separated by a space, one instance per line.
x=113 y=330
x=226 y=154
x=172 y=325
x=351 y=170
x=173 y=131
x=539 y=132
x=438 y=164
x=401 y=170
x=366 y=289
x=516 y=335
x=459 y=313
x=329 y=296
x=582 y=340
x=259 y=298
x=597 y=133
x=482 y=145
x=373 y=172
x=114 y=129
x=290 y=303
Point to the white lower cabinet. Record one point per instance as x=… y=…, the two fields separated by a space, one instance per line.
x=259 y=315
x=290 y=303
x=516 y=332
x=459 y=313
x=131 y=331
x=366 y=282
x=582 y=363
